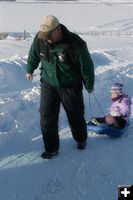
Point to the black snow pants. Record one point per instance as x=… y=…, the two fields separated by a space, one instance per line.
x=72 y=101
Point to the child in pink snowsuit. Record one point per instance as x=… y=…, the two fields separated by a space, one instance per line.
x=120 y=109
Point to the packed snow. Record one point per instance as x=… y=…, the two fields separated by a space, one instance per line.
x=96 y=172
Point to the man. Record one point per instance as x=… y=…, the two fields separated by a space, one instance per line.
x=65 y=65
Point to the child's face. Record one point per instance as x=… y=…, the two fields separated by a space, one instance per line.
x=114 y=94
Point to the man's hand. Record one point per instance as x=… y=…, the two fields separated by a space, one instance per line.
x=91 y=91
x=29 y=77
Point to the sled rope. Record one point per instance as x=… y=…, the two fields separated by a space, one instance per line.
x=90 y=110
x=97 y=104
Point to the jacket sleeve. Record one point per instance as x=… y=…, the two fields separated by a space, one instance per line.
x=86 y=67
x=33 y=58
x=122 y=109
x=125 y=107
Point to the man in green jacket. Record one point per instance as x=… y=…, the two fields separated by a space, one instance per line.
x=65 y=66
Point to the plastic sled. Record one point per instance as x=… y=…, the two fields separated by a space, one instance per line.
x=105 y=129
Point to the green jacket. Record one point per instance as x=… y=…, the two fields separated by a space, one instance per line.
x=64 y=63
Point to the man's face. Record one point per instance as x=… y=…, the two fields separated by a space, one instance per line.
x=55 y=35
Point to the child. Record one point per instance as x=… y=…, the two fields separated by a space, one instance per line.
x=120 y=109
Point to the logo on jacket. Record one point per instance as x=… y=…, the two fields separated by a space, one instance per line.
x=61 y=57
x=41 y=54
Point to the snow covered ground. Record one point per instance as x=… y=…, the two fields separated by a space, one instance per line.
x=94 y=173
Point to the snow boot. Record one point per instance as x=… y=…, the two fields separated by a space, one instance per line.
x=81 y=145
x=49 y=155
x=95 y=121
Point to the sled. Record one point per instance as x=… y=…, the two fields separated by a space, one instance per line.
x=105 y=129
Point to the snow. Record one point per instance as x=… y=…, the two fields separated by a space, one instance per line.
x=96 y=172
x=84 y=21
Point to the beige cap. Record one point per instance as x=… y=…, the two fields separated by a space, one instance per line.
x=48 y=24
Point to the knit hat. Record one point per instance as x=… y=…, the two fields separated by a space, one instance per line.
x=48 y=24
x=116 y=87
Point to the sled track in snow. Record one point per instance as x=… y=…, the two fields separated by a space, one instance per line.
x=27 y=157
x=13 y=159
x=18 y=160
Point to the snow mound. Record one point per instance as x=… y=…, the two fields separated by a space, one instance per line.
x=100 y=58
x=12 y=74
x=16 y=108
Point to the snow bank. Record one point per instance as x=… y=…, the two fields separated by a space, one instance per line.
x=109 y=68
x=12 y=74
